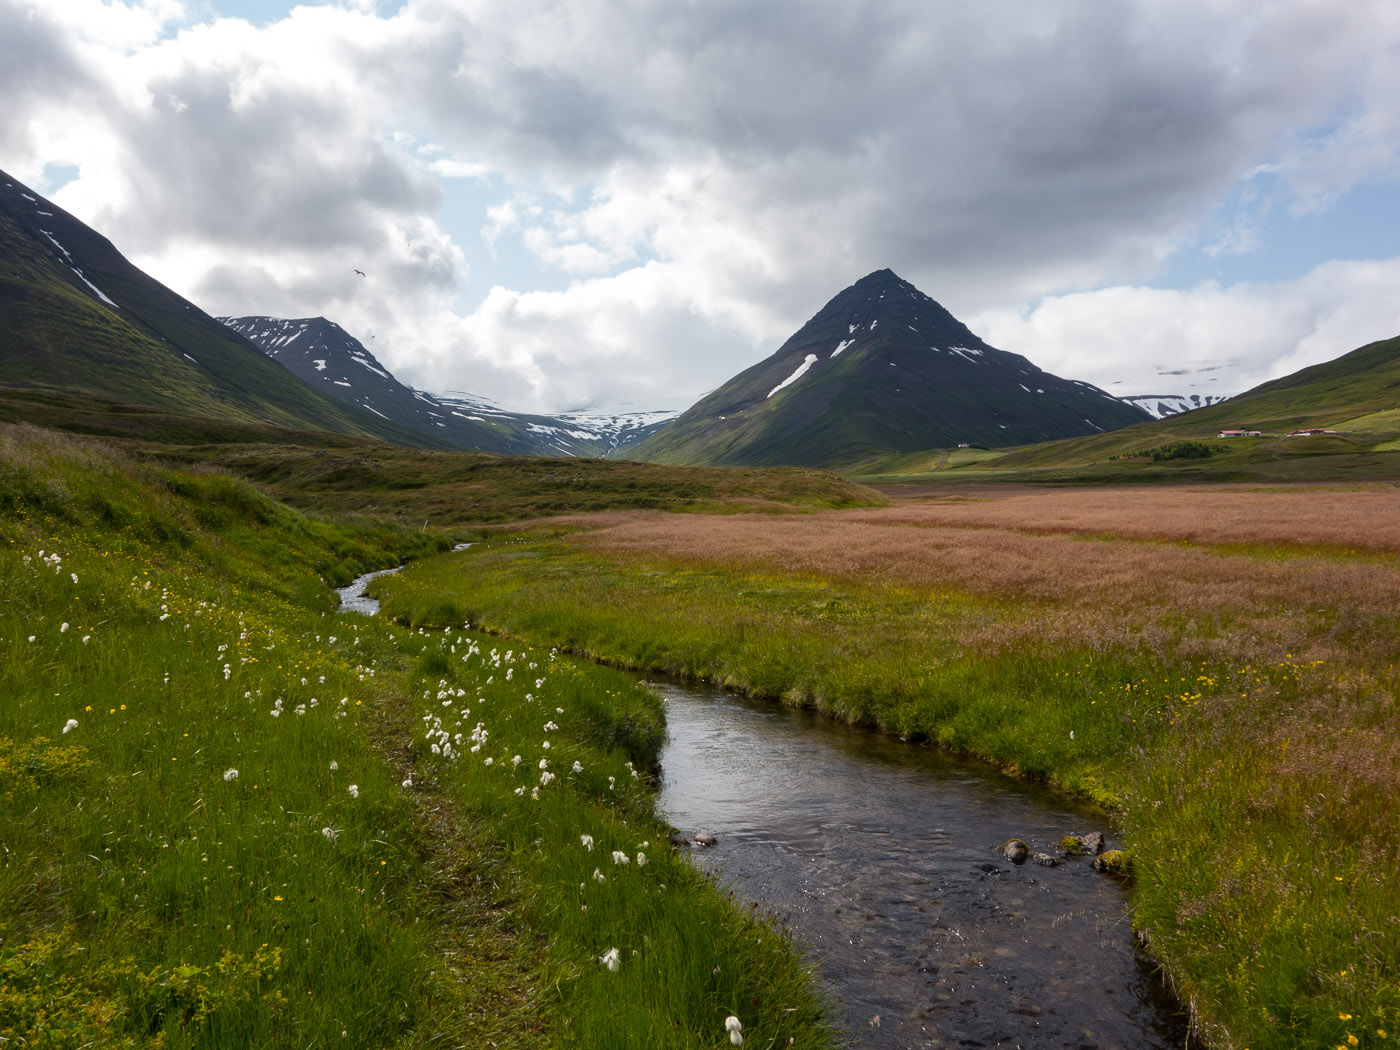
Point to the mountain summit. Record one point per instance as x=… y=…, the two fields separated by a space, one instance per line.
x=881 y=369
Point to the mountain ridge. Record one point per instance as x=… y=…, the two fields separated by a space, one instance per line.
x=76 y=315
x=322 y=354
x=843 y=388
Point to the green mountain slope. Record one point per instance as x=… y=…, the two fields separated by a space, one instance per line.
x=330 y=359
x=1356 y=396
x=881 y=369
x=76 y=316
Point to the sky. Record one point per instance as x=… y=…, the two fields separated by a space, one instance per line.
x=575 y=205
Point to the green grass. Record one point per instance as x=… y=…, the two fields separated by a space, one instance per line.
x=1355 y=394
x=230 y=819
x=1256 y=793
x=466 y=488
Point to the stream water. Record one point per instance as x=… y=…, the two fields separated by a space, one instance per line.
x=352 y=595
x=881 y=857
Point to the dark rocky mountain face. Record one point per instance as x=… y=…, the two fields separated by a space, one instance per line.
x=77 y=317
x=324 y=355
x=882 y=369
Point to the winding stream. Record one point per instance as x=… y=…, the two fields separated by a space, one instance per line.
x=882 y=859
x=352 y=595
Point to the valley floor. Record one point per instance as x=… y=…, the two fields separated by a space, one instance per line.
x=1217 y=664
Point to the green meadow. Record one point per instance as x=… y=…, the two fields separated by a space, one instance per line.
x=1235 y=709
x=236 y=818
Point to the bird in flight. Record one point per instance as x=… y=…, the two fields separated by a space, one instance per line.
x=360 y=272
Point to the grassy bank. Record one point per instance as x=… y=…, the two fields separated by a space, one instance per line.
x=1231 y=695
x=450 y=489
x=235 y=818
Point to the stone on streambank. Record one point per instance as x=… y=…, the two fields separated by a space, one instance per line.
x=680 y=839
x=1090 y=844
x=1114 y=862
x=1014 y=850
x=1087 y=844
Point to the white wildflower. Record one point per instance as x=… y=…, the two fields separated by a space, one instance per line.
x=230 y=774
x=621 y=858
x=611 y=960
x=587 y=841
x=354 y=790
x=735 y=1029
x=72 y=723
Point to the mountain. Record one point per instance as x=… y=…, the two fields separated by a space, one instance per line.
x=77 y=318
x=1354 y=398
x=324 y=355
x=1358 y=392
x=1159 y=406
x=881 y=369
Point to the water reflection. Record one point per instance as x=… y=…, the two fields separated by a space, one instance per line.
x=883 y=858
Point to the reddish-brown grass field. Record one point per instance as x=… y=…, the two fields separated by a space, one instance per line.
x=1109 y=561
x=1220 y=664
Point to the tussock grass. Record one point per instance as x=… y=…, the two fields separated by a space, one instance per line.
x=463 y=489
x=232 y=818
x=1229 y=689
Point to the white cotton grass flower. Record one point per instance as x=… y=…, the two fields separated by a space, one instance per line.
x=407 y=782
x=587 y=841
x=621 y=858
x=641 y=859
x=735 y=1028
x=598 y=876
x=71 y=724
x=329 y=834
x=230 y=774
x=578 y=766
x=334 y=765
x=611 y=959
x=62 y=628
x=354 y=790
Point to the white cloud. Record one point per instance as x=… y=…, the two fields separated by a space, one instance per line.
x=705 y=176
x=1208 y=339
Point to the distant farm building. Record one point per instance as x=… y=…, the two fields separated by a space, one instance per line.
x=1309 y=433
x=1240 y=434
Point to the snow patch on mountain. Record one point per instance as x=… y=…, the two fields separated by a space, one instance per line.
x=807 y=363
x=1159 y=406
